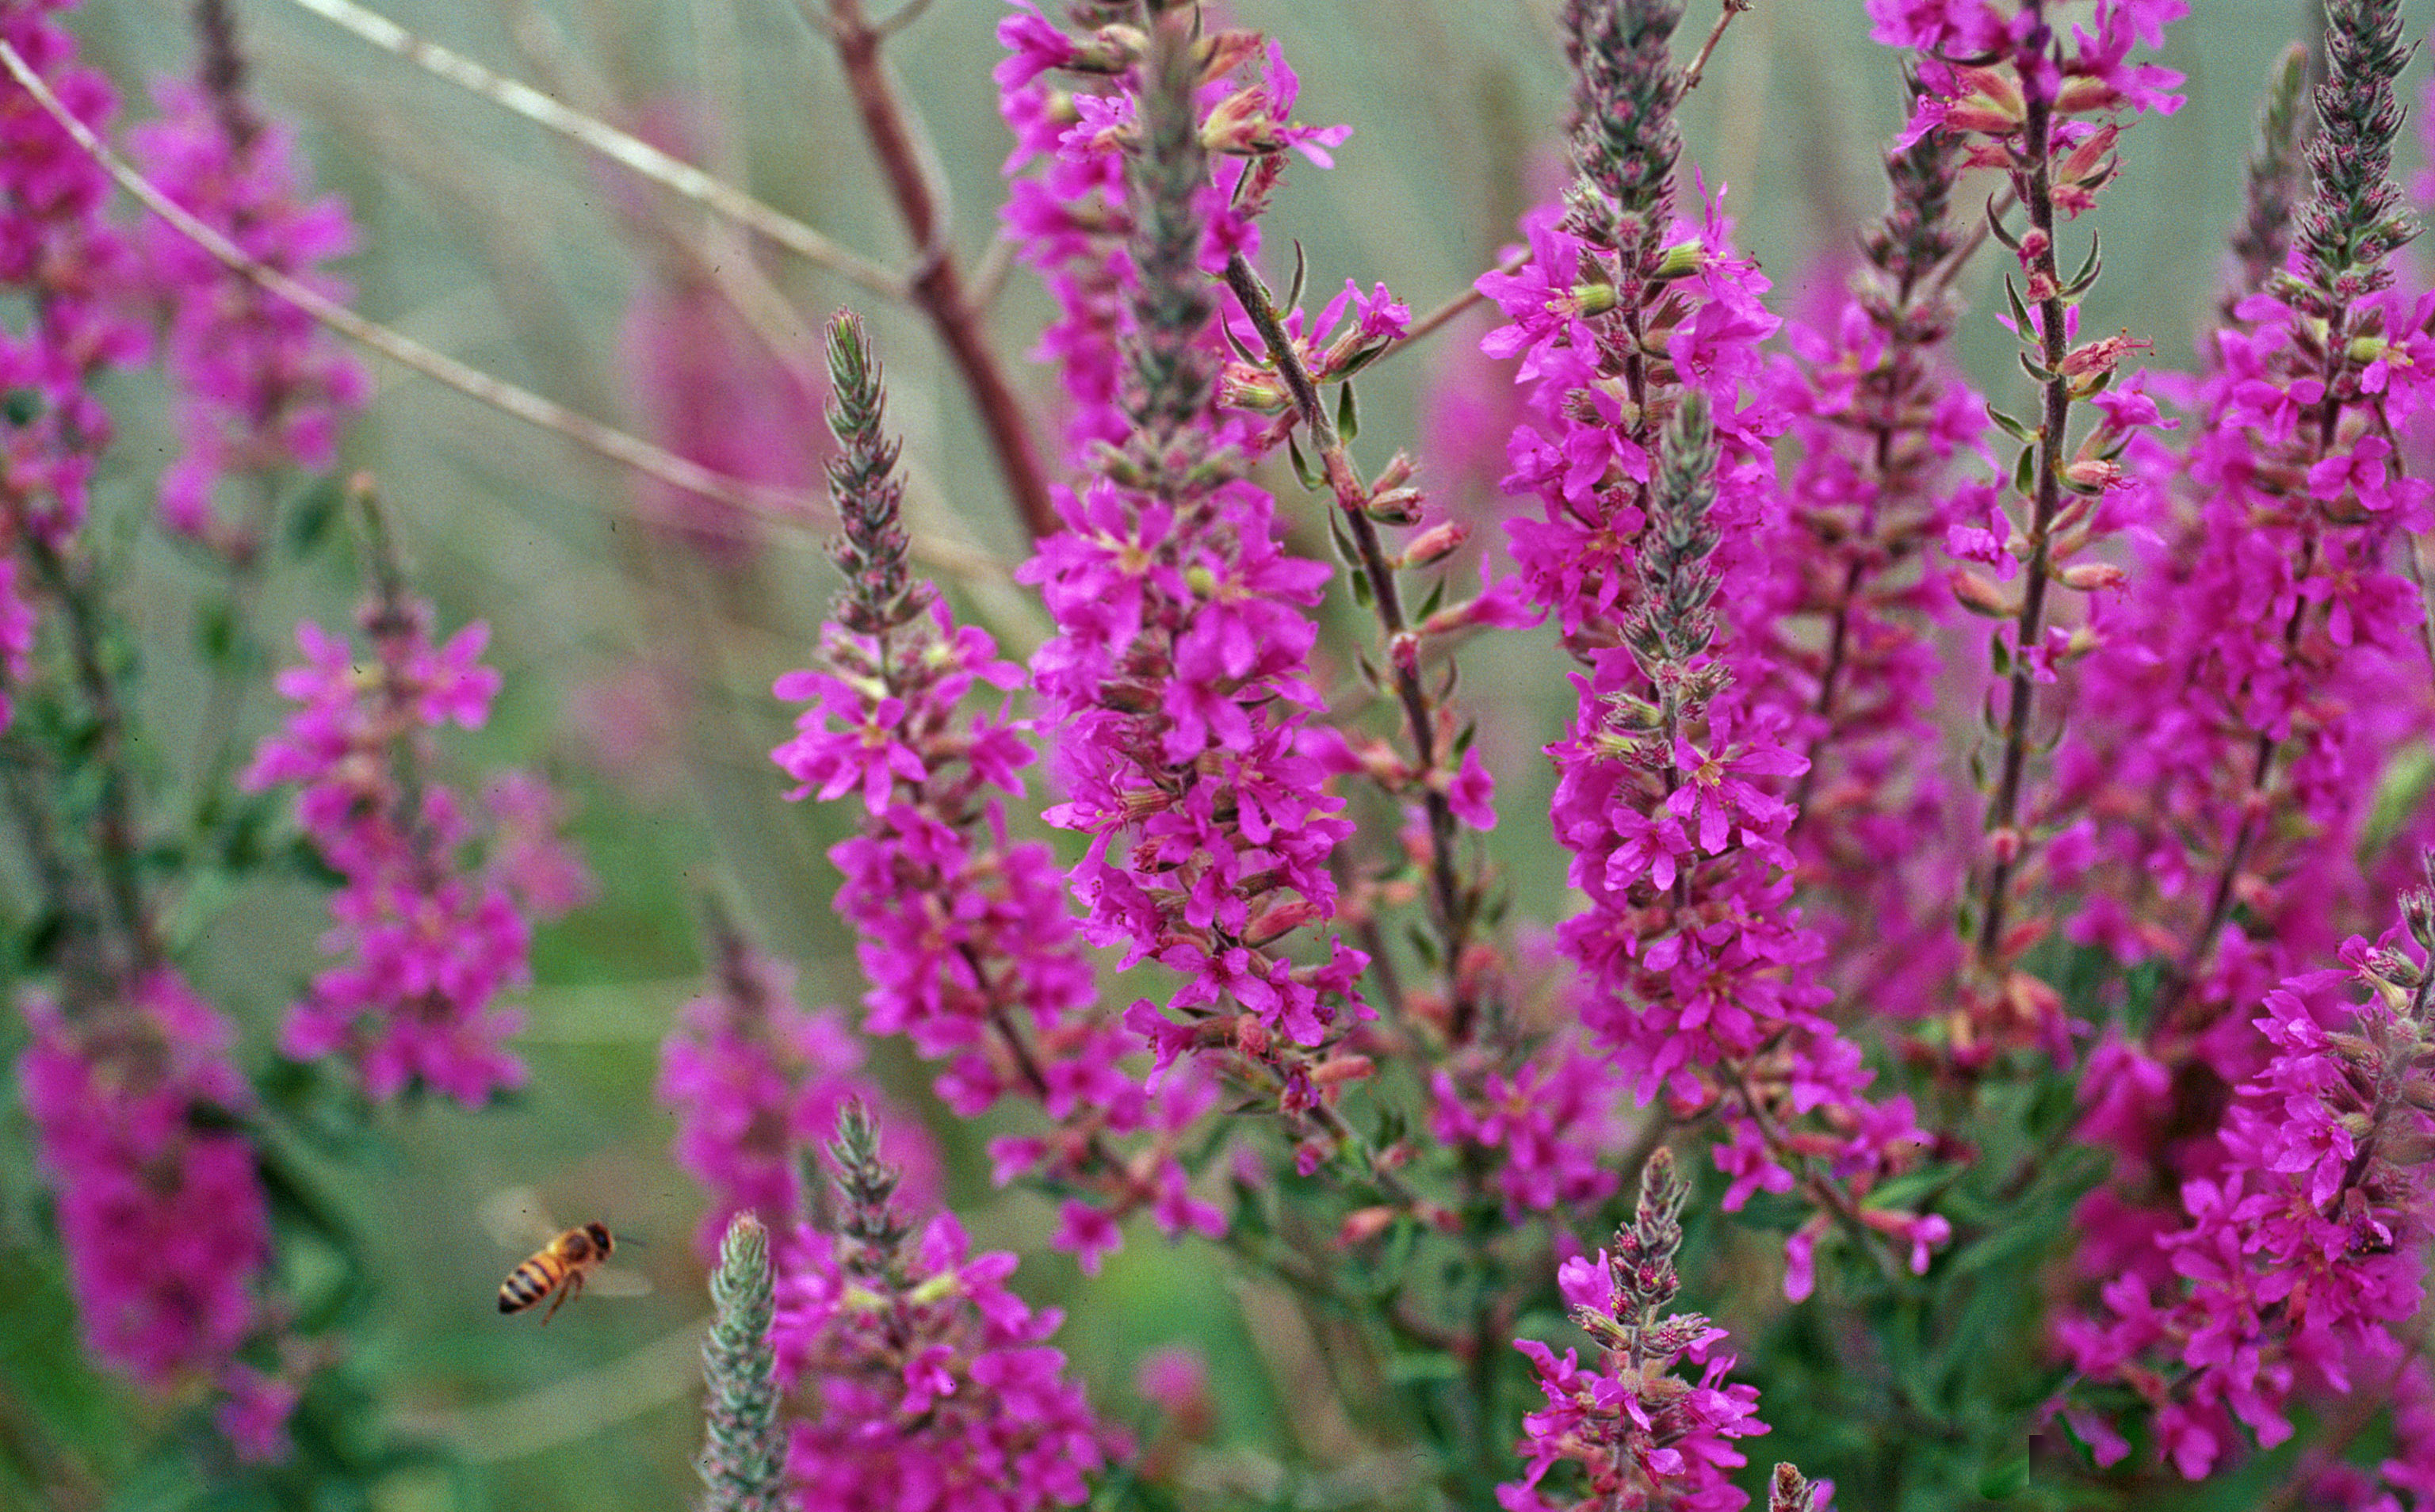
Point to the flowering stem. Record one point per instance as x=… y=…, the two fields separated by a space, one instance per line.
x=743 y=1459
x=937 y=287
x=1454 y=903
x=2036 y=184
x=117 y=837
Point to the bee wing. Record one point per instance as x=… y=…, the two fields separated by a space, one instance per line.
x=612 y=1280
x=517 y=1218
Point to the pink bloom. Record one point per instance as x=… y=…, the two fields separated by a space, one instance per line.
x=431 y=925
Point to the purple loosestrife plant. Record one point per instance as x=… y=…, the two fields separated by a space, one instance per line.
x=2038 y=103
x=1642 y=1436
x=964 y=934
x=74 y=270
x=753 y=1079
x=2270 y=668
x=161 y=1209
x=926 y=1385
x=1652 y=480
x=743 y=1457
x=431 y=925
x=1177 y=681
x=2300 y=1260
x=1844 y=625
x=260 y=387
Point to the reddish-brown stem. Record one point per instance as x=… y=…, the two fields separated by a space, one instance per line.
x=1449 y=900
x=1708 y=48
x=2003 y=809
x=937 y=287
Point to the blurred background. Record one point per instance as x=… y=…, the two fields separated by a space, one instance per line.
x=637 y=662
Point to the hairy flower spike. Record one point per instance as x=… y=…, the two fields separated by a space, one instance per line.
x=2274 y=185
x=1641 y=1436
x=878 y=595
x=1173 y=376
x=924 y=1385
x=1675 y=620
x=963 y=933
x=1625 y=138
x=743 y=1458
x=2356 y=219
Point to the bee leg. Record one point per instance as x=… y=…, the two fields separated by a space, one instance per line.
x=574 y=1286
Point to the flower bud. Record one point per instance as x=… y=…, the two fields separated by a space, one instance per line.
x=1436 y=544
x=1980 y=596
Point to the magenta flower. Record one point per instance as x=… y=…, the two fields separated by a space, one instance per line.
x=963 y=933
x=926 y=1385
x=261 y=388
x=160 y=1206
x=753 y=1078
x=431 y=923
x=1641 y=1436
x=1179 y=678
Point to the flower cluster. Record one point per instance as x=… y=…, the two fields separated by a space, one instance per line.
x=1636 y=337
x=2268 y=663
x=1842 y=627
x=2018 y=92
x=260 y=387
x=1642 y=1435
x=429 y=936
x=72 y=271
x=964 y=934
x=160 y=1206
x=753 y=1079
x=2294 y=1266
x=928 y=1385
x=1179 y=678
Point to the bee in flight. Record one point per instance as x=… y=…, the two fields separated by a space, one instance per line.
x=558 y=1266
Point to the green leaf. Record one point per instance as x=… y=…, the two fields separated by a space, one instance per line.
x=2006 y=1477
x=1348 y=415
x=314 y=509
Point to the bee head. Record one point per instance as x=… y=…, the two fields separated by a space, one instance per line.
x=598 y=1234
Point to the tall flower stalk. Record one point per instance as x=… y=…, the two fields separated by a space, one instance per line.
x=743 y=1457
x=433 y=915
x=1642 y=1435
x=925 y=1384
x=1845 y=627
x=1179 y=676
x=1637 y=339
x=964 y=937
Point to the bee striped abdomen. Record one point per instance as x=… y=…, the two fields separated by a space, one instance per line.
x=529 y=1282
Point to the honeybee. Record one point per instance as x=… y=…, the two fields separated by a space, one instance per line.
x=562 y=1267
x=558 y=1266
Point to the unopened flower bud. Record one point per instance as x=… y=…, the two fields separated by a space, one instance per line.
x=2089 y=576
x=1337 y=1069
x=1399 y=470
x=1250 y=1034
x=1363 y=1225
x=1436 y=544
x=1979 y=596
x=1396 y=506
x=1684 y=260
